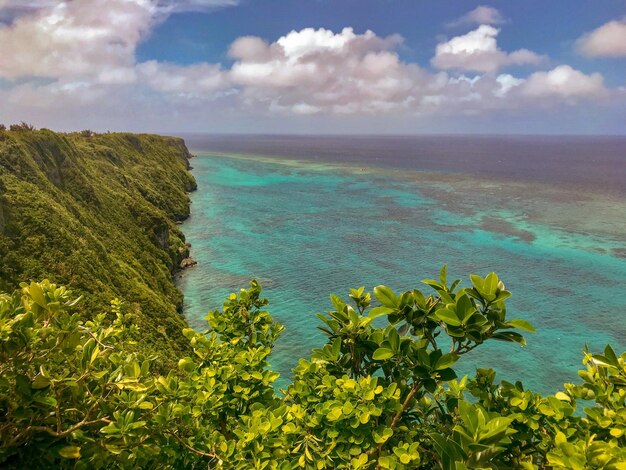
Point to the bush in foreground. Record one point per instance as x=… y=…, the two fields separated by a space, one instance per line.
x=81 y=395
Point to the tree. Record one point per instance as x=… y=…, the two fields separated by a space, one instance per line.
x=381 y=393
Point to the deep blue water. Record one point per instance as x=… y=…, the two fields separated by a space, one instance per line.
x=308 y=216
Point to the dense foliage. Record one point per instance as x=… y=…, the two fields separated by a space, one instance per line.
x=97 y=212
x=381 y=393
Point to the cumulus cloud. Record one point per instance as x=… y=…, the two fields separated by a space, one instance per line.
x=564 y=81
x=609 y=40
x=316 y=70
x=95 y=38
x=77 y=56
x=482 y=14
x=92 y=39
x=478 y=51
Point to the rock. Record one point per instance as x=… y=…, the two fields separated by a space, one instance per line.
x=187 y=262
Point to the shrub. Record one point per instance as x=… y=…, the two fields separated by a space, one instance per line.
x=22 y=127
x=71 y=393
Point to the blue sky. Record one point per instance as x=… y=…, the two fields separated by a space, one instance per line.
x=340 y=66
x=549 y=27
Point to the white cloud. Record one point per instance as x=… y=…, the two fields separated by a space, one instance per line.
x=316 y=70
x=507 y=83
x=65 y=59
x=478 y=51
x=609 y=40
x=482 y=14
x=564 y=81
x=198 y=80
x=87 y=39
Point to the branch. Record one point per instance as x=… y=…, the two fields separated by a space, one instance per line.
x=195 y=451
x=104 y=346
x=405 y=405
x=399 y=413
x=70 y=430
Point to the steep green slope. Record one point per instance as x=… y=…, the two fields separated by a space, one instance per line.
x=98 y=213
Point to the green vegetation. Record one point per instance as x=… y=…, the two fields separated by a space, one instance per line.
x=93 y=383
x=97 y=212
x=381 y=393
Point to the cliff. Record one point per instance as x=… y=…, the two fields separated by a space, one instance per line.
x=97 y=212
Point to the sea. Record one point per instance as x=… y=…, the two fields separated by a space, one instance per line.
x=308 y=216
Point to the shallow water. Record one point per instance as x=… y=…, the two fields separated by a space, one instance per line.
x=306 y=228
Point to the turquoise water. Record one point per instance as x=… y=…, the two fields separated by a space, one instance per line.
x=306 y=229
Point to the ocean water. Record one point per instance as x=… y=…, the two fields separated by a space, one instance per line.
x=310 y=216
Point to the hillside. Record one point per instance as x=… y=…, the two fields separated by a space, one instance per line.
x=98 y=213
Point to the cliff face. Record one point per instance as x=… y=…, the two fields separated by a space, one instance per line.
x=98 y=213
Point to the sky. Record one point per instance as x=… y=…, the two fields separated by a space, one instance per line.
x=315 y=66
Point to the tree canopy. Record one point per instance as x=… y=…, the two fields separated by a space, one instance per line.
x=381 y=393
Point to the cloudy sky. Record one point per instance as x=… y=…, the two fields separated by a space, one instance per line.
x=315 y=66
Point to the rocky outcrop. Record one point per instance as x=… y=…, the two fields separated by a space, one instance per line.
x=187 y=263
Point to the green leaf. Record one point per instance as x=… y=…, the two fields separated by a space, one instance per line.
x=385 y=296
x=383 y=436
x=382 y=353
x=510 y=336
x=335 y=414
x=186 y=364
x=94 y=354
x=337 y=302
x=380 y=311
x=445 y=361
x=432 y=283
x=36 y=292
x=522 y=325
x=491 y=283
x=563 y=396
x=478 y=282
x=448 y=316
x=600 y=360
x=610 y=356
x=464 y=308
x=70 y=452
x=503 y=295
x=40 y=382
x=394 y=339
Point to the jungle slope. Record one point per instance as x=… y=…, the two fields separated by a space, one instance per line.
x=97 y=213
